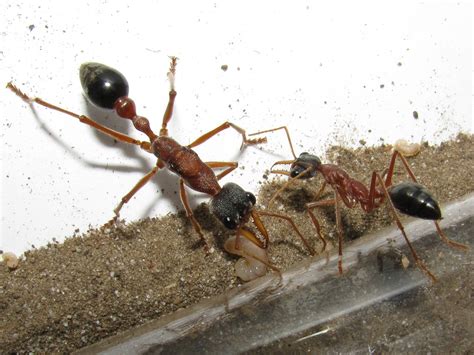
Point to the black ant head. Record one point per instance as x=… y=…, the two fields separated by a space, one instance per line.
x=304 y=162
x=102 y=85
x=232 y=205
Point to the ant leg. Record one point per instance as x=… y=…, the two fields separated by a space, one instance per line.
x=189 y=213
x=280 y=172
x=292 y=223
x=388 y=181
x=318 y=228
x=321 y=190
x=142 y=182
x=388 y=178
x=448 y=241
x=417 y=259
x=231 y=166
x=288 y=183
x=172 y=95
x=84 y=119
x=339 y=230
x=276 y=129
x=222 y=127
x=330 y=202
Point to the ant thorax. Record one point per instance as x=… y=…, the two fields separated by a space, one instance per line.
x=165 y=148
x=232 y=205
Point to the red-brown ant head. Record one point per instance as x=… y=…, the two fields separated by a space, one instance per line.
x=305 y=162
x=232 y=205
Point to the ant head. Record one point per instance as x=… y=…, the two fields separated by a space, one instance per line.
x=102 y=85
x=304 y=162
x=232 y=205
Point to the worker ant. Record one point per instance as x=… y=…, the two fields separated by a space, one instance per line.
x=409 y=198
x=107 y=88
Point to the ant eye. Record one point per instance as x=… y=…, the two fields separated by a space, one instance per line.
x=102 y=85
x=251 y=198
x=295 y=171
x=229 y=223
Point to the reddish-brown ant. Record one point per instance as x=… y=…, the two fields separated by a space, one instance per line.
x=409 y=198
x=107 y=88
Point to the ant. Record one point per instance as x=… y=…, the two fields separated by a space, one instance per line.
x=107 y=88
x=410 y=198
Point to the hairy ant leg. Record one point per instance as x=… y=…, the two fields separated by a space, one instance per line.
x=322 y=203
x=110 y=132
x=340 y=233
x=261 y=228
x=190 y=214
x=172 y=96
x=293 y=225
x=287 y=136
x=231 y=166
x=125 y=199
x=146 y=146
x=224 y=126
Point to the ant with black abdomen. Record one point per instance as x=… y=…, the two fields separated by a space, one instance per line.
x=409 y=198
x=107 y=88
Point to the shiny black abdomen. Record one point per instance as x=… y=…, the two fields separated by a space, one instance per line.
x=415 y=200
x=102 y=85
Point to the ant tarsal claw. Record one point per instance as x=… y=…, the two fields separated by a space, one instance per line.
x=171 y=78
x=252 y=141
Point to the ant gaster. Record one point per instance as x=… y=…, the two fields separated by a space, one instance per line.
x=409 y=198
x=107 y=88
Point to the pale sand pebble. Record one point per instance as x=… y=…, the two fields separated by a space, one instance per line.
x=406 y=148
x=11 y=260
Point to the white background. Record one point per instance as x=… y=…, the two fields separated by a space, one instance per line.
x=334 y=72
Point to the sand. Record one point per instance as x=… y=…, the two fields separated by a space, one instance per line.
x=66 y=296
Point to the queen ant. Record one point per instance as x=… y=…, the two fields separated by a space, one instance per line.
x=107 y=88
x=410 y=198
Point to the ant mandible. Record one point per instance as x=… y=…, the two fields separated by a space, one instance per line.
x=410 y=198
x=107 y=88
